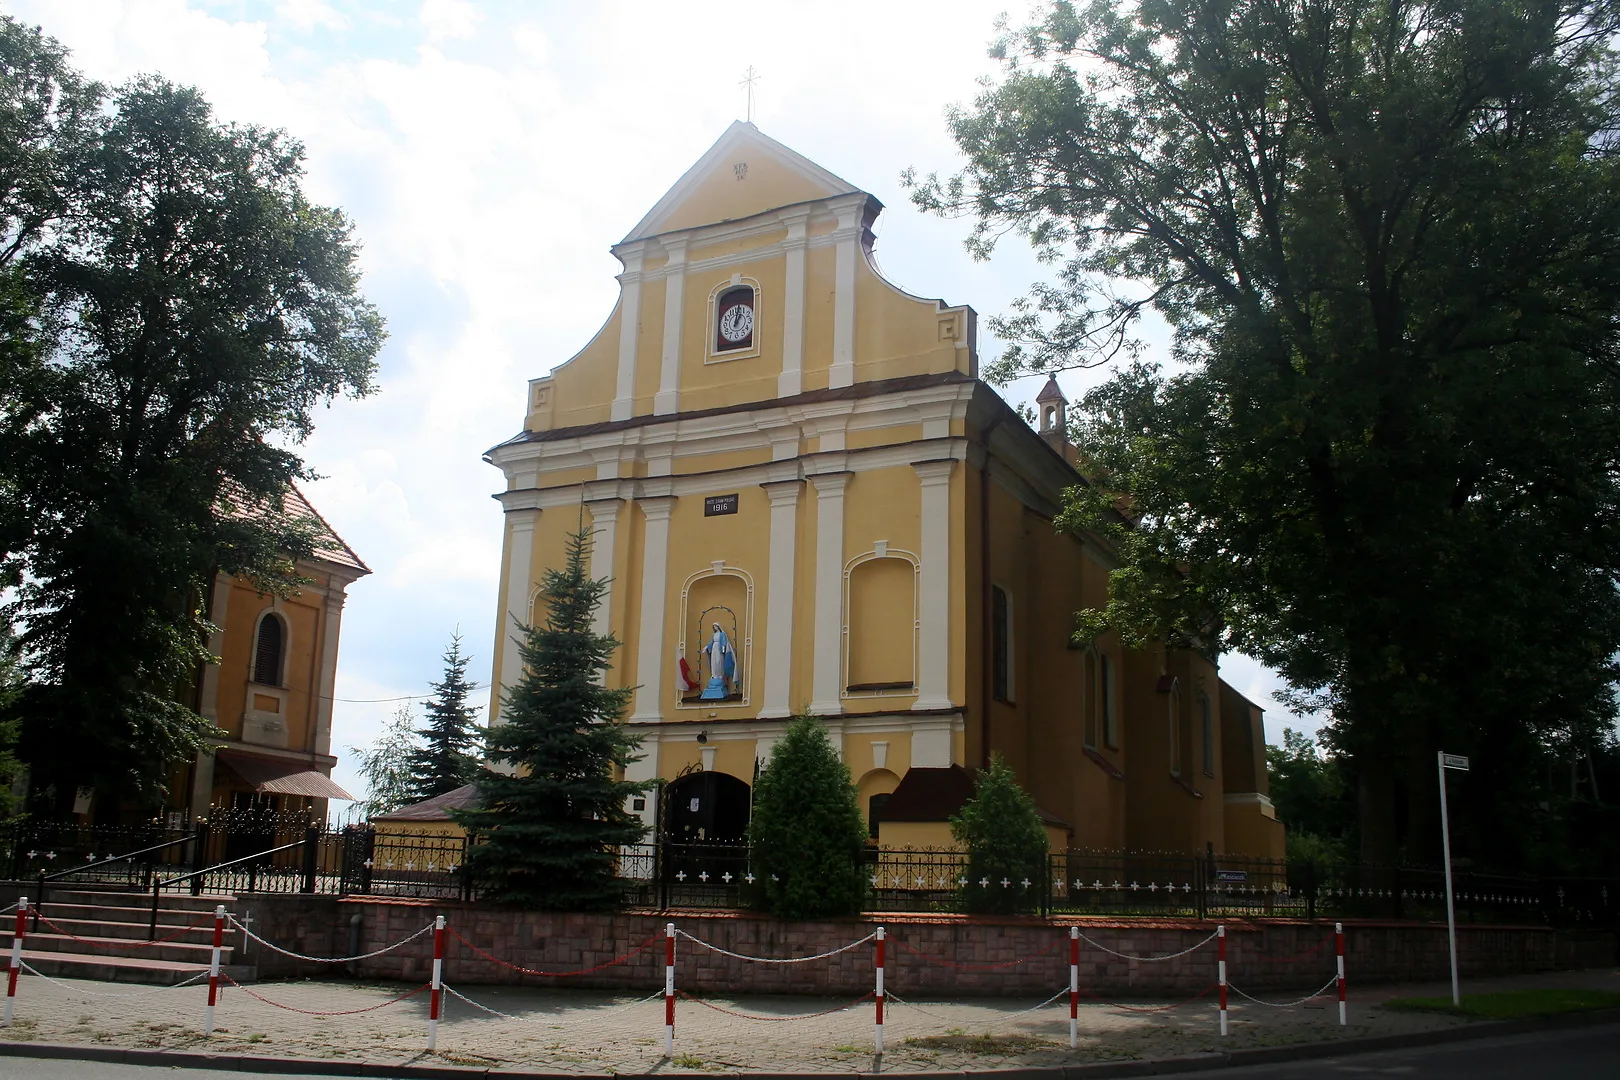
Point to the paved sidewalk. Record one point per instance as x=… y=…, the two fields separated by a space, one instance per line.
x=598 y=1032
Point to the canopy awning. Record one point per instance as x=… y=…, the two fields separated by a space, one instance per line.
x=281 y=777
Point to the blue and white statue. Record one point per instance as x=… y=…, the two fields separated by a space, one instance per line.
x=722 y=666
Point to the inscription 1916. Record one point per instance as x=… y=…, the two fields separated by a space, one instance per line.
x=716 y=505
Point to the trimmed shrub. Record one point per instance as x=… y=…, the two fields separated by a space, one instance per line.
x=1006 y=842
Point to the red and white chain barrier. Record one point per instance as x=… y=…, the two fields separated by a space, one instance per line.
x=878 y=992
x=1338 y=941
x=213 y=969
x=16 y=956
x=273 y=947
x=1074 y=987
x=669 y=990
x=1220 y=934
x=437 y=984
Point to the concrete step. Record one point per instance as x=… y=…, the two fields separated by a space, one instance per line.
x=61 y=965
x=199 y=930
x=133 y=913
x=196 y=955
x=175 y=901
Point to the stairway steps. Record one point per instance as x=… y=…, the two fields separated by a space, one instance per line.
x=174 y=951
x=59 y=965
x=186 y=930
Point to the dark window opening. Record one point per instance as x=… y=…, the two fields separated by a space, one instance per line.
x=267 y=658
x=874 y=812
x=1001 y=646
x=1208 y=723
x=1105 y=702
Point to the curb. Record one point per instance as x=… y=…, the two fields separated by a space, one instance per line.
x=1263 y=1055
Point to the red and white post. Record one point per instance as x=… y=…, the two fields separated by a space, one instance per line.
x=1338 y=943
x=669 y=990
x=436 y=987
x=1074 y=988
x=1220 y=938
x=17 y=935
x=878 y=993
x=213 y=969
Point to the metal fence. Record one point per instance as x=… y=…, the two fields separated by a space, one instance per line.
x=254 y=852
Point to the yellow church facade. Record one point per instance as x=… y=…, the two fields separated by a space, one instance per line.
x=806 y=500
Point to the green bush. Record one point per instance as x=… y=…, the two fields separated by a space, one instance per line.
x=807 y=834
x=1006 y=841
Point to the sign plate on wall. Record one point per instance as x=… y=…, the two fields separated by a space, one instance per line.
x=716 y=505
x=1454 y=761
x=1231 y=875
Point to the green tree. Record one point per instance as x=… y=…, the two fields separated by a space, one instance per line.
x=1005 y=841
x=1312 y=795
x=806 y=832
x=190 y=308
x=446 y=756
x=1386 y=236
x=549 y=832
x=386 y=764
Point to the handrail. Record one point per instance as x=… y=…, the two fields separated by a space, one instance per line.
x=158 y=886
x=39 y=901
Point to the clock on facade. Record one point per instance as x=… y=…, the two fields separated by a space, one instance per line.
x=734 y=320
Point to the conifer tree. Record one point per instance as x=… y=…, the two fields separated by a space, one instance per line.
x=1006 y=842
x=807 y=834
x=548 y=832
x=446 y=757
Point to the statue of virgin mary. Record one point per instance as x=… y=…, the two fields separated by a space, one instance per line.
x=722 y=664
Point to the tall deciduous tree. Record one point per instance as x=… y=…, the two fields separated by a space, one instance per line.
x=385 y=765
x=550 y=829
x=189 y=307
x=806 y=831
x=1387 y=237
x=446 y=754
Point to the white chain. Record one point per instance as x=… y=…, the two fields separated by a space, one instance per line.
x=326 y=959
x=776 y=960
x=553 y=1021
x=101 y=993
x=1285 y=1004
x=1150 y=959
x=956 y=1019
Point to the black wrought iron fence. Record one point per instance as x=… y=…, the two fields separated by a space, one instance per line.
x=234 y=852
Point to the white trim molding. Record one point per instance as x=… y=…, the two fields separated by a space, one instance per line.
x=827 y=673
x=934 y=585
x=667 y=400
x=779 y=605
x=604 y=535
x=791 y=380
x=624 y=392
x=520 y=526
x=654 y=591
x=843 y=347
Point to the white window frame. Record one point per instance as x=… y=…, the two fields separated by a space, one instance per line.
x=711 y=326
x=883 y=551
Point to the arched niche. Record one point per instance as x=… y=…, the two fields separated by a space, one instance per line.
x=880 y=623
x=725 y=595
x=874 y=789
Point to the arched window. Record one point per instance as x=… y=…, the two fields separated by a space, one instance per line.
x=1105 y=702
x=1001 y=645
x=1090 y=689
x=1206 y=723
x=1173 y=715
x=268 y=651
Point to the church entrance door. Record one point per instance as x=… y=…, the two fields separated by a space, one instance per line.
x=703 y=849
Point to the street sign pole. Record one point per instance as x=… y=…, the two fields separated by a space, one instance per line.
x=1449 y=761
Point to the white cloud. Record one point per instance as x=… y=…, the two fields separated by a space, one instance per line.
x=444 y=19
x=310 y=14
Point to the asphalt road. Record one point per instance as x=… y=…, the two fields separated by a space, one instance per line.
x=1580 y=1054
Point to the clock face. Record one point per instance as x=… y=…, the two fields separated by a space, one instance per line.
x=737 y=323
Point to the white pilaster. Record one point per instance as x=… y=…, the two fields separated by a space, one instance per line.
x=827 y=675
x=604 y=531
x=791 y=380
x=669 y=372
x=624 y=392
x=784 y=497
x=521 y=521
x=934 y=584
x=843 y=350
x=654 y=586
x=329 y=650
x=218 y=610
x=645 y=769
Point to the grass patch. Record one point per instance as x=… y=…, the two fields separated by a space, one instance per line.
x=981 y=1044
x=1512 y=1004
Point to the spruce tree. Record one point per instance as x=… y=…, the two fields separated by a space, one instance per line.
x=446 y=757
x=547 y=834
x=1006 y=842
x=807 y=834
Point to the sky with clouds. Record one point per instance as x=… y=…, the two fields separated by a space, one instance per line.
x=488 y=154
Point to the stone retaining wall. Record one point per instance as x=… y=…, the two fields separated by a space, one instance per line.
x=928 y=955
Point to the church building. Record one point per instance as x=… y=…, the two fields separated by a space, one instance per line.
x=806 y=500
